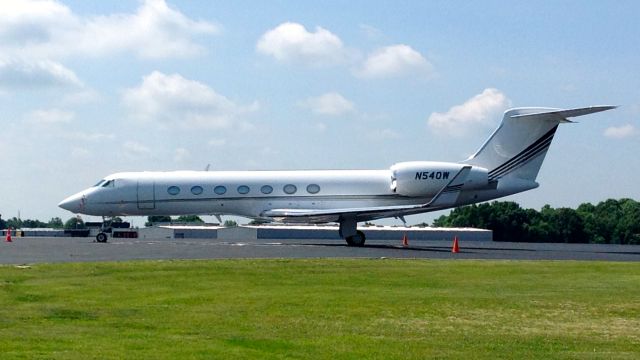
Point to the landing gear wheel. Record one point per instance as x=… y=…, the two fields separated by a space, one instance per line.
x=349 y=240
x=356 y=240
x=101 y=237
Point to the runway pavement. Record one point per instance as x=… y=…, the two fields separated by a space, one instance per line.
x=48 y=250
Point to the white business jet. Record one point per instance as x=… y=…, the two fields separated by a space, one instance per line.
x=506 y=164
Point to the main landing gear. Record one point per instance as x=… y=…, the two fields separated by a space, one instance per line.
x=349 y=232
x=356 y=240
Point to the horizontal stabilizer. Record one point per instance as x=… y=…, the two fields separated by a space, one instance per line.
x=562 y=115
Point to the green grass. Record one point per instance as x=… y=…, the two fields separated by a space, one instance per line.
x=332 y=309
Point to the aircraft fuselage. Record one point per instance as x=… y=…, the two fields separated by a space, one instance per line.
x=252 y=193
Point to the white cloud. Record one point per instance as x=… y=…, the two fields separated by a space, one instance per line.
x=621 y=132
x=50 y=116
x=383 y=134
x=332 y=104
x=33 y=22
x=181 y=154
x=81 y=96
x=87 y=137
x=36 y=74
x=80 y=153
x=394 y=60
x=246 y=126
x=49 y=29
x=370 y=32
x=291 y=42
x=268 y=151
x=482 y=110
x=217 y=142
x=321 y=127
x=135 y=150
x=175 y=100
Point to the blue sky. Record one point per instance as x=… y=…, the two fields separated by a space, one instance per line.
x=92 y=88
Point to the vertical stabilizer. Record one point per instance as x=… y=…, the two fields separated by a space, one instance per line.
x=517 y=148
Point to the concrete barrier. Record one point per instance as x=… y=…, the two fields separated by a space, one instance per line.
x=310 y=232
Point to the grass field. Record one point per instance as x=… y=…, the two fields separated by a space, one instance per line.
x=332 y=309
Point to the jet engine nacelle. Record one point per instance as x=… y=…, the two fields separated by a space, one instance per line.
x=427 y=178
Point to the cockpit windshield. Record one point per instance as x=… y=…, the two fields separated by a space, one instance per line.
x=105 y=183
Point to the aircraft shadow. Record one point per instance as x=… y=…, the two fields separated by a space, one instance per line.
x=388 y=247
x=429 y=248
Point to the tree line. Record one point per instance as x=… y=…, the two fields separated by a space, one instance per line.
x=608 y=222
x=15 y=223
x=54 y=223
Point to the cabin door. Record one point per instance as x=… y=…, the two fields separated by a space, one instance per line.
x=146 y=195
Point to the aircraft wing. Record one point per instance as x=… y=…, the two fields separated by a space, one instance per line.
x=446 y=197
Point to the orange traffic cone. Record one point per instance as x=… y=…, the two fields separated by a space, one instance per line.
x=456 y=247
x=405 y=240
x=8 y=235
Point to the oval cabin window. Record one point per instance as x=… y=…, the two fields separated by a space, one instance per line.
x=290 y=189
x=313 y=188
x=266 y=189
x=243 y=189
x=196 y=190
x=173 y=190
x=220 y=190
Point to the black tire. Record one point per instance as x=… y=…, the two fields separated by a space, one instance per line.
x=356 y=240
x=349 y=240
x=101 y=237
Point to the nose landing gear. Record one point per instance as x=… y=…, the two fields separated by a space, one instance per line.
x=101 y=237
x=105 y=228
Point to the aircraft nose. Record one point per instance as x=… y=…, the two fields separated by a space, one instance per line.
x=73 y=203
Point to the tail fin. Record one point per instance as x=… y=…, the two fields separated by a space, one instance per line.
x=518 y=146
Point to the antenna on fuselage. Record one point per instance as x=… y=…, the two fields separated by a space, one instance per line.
x=207 y=167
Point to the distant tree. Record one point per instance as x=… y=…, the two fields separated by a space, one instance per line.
x=590 y=223
x=611 y=221
x=14 y=223
x=74 y=223
x=55 y=223
x=154 y=219
x=3 y=224
x=607 y=214
x=506 y=219
x=230 y=223
x=565 y=225
x=190 y=219
x=628 y=227
x=33 y=224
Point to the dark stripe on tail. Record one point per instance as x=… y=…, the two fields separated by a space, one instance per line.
x=533 y=150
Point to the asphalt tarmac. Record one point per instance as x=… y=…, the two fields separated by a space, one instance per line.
x=30 y=250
